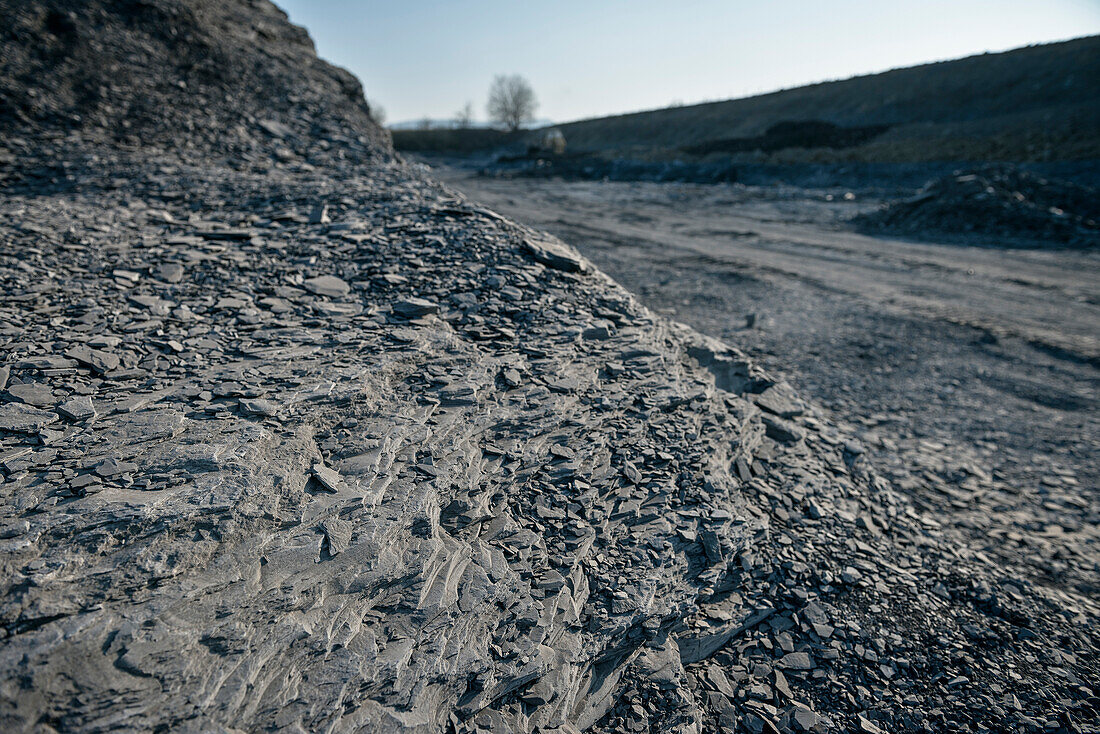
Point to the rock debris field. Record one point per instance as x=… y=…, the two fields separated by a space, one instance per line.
x=294 y=439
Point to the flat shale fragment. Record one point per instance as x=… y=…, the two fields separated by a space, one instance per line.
x=554 y=254
x=99 y=360
x=32 y=393
x=411 y=308
x=328 y=478
x=77 y=409
x=327 y=285
x=23 y=418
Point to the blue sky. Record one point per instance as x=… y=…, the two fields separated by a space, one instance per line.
x=584 y=58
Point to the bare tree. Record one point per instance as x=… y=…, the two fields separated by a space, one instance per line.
x=511 y=101
x=464 y=116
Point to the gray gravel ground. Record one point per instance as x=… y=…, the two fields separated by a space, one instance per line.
x=970 y=373
x=293 y=438
x=321 y=445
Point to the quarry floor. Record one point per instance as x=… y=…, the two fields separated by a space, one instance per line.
x=970 y=372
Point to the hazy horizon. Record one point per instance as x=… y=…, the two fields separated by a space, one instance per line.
x=428 y=58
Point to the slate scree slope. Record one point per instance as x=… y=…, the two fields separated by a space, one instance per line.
x=294 y=439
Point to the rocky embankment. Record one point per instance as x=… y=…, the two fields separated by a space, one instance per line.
x=294 y=439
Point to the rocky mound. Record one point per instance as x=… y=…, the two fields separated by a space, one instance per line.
x=1009 y=204
x=295 y=449
x=230 y=76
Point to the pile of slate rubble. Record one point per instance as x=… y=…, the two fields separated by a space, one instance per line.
x=1003 y=205
x=294 y=439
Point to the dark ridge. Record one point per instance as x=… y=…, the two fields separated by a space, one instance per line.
x=793 y=134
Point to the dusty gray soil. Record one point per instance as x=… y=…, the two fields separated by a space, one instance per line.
x=969 y=372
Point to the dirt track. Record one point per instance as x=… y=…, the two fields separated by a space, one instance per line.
x=972 y=371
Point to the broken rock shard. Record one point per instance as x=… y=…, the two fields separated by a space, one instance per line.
x=414 y=307
x=328 y=478
x=23 y=418
x=554 y=254
x=327 y=285
x=77 y=409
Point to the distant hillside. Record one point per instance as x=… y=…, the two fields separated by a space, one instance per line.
x=1033 y=103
